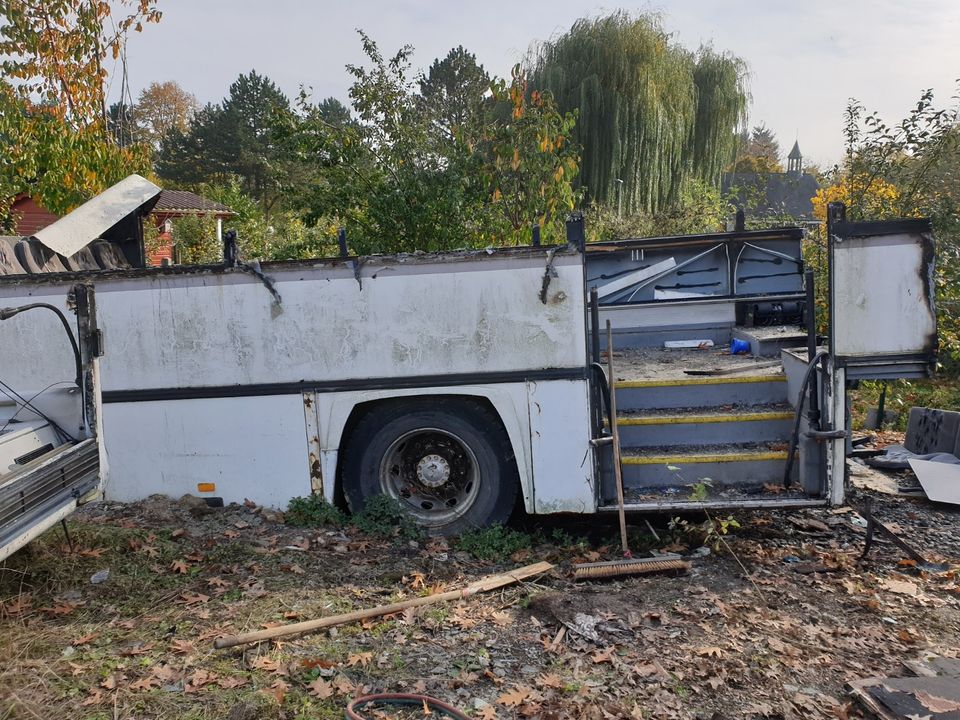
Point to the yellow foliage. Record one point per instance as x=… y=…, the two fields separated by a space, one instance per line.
x=867 y=198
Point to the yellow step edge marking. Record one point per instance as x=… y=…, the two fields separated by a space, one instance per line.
x=694 y=419
x=681 y=460
x=682 y=382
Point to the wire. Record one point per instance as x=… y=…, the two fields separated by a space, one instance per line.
x=10 y=392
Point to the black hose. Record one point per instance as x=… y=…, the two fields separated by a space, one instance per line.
x=7 y=313
x=429 y=704
x=795 y=435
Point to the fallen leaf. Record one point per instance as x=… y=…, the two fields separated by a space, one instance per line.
x=278 y=690
x=181 y=647
x=710 y=652
x=362 y=659
x=198 y=679
x=550 y=680
x=94 y=698
x=514 y=697
x=487 y=712
x=501 y=618
x=231 y=682
x=231 y=534
x=190 y=598
x=147 y=683
x=179 y=532
x=900 y=587
x=603 y=656
x=84 y=639
x=320 y=688
x=179 y=567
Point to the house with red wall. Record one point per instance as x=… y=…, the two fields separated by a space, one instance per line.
x=31 y=216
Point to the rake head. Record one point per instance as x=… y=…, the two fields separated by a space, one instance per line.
x=636 y=566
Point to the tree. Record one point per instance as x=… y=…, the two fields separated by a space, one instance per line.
x=55 y=141
x=454 y=88
x=54 y=50
x=162 y=108
x=759 y=152
x=398 y=185
x=908 y=169
x=234 y=138
x=651 y=114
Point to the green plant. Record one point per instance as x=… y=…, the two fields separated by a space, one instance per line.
x=709 y=533
x=493 y=543
x=313 y=511
x=700 y=491
x=382 y=515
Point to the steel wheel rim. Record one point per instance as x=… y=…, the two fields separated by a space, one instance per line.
x=432 y=473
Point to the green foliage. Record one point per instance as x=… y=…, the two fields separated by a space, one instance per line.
x=195 y=240
x=909 y=169
x=711 y=532
x=700 y=209
x=382 y=515
x=758 y=151
x=437 y=171
x=54 y=142
x=453 y=91
x=313 y=511
x=235 y=138
x=496 y=542
x=651 y=114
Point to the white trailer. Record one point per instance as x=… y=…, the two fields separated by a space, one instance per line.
x=455 y=383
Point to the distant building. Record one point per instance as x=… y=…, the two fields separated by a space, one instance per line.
x=31 y=216
x=780 y=194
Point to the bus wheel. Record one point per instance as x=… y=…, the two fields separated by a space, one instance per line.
x=447 y=462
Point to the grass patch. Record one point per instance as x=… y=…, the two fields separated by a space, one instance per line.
x=496 y=542
x=384 y=516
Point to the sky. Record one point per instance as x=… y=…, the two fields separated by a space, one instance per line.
x=806 y=59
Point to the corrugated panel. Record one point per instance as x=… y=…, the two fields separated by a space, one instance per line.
x=89 y=221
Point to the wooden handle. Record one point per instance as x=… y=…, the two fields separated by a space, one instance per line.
x=491 y=582
x=615 y=433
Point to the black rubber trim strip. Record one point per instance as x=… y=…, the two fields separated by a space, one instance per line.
x=882 y=227
x=329 y=386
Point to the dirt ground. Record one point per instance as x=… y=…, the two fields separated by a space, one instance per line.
x=771 y=623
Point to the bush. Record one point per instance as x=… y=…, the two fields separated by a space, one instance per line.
x=382 y=515
x=493 y=543
x=313 y=511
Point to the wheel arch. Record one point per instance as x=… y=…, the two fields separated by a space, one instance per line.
x=507 y=403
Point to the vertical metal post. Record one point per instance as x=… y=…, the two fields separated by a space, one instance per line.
x=813 y=412
x=342 y=240
x=740 y=224
x=595 y=324
x=575 y=232
x=536 y=235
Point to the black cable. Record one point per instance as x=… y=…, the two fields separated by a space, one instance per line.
x=7 y=313
x=10 y=392
x=795 y=435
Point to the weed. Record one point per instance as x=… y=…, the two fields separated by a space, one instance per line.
x=384 y=516
x=493 y=543
x=700 y=491
x=313 y=511
x=709 y=533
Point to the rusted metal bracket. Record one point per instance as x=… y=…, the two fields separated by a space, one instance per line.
x=548 y=274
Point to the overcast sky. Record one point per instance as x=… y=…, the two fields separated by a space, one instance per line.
x=806 y=58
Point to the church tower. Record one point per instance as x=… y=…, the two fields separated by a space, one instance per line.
x=795 y=160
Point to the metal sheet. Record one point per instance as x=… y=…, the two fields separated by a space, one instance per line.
x=88 y=222
x=882 y=296
x=940 y=481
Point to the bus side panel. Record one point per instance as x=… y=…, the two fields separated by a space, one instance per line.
x=560 y=442
x=509 y=400
x=247 y=447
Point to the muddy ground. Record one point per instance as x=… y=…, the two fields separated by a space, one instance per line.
x=770 y=624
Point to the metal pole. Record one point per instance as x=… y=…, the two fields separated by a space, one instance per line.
x=536 y=235
x=342 y=240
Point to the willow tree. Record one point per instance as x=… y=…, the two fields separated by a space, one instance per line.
x=652 y=114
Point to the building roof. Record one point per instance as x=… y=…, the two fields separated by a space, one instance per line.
x=773 y=193
x=188 y=203
x=795 y=152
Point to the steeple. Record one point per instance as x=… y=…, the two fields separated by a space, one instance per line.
x=795 y=160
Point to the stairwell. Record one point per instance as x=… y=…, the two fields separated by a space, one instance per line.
x=704 y=440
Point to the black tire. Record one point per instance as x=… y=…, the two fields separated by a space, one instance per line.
x=457 y=446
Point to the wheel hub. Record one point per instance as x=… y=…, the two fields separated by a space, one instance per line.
x=433 y=471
